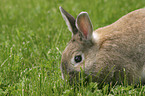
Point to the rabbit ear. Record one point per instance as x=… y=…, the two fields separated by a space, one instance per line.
x=84 y=25
x=70 y=21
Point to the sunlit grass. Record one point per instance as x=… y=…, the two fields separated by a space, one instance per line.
x=33 y=35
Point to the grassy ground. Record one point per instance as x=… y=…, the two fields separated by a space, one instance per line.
x=33 y=35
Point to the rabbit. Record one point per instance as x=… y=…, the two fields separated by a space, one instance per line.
x=110 y=54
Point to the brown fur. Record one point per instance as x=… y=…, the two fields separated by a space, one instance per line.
x=120 y=48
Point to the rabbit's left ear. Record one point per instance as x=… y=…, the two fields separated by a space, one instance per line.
x=84 y=25
x=70 y=21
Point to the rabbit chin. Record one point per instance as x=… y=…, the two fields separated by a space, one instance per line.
x=143 y=75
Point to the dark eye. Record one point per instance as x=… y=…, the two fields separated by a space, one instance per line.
x=78 y=58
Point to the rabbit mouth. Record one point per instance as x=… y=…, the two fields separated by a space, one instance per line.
x=78 y=77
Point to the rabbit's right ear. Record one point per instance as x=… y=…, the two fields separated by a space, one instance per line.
x=70 y=21
x=84 y=25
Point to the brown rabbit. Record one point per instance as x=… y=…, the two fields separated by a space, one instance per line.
x=109 y=54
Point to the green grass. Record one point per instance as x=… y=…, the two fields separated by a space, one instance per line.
x=33 y=35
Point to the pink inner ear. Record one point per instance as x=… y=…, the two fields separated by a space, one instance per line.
x=83 y=28
x=83 y=25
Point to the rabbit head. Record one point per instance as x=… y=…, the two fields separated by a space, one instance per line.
x=90 y=51
x=78 y=50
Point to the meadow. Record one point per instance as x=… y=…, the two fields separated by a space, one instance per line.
x=33 y=36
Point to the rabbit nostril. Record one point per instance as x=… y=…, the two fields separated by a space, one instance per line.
x=78 y=58
x=81 y=39
x=73 y=40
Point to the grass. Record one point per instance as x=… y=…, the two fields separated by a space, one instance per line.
x=33 y=35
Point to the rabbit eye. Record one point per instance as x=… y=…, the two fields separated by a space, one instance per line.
x=78 y=58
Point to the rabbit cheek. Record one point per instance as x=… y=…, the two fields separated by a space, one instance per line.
x=79 y=67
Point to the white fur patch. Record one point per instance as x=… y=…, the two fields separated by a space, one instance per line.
x=95 y=36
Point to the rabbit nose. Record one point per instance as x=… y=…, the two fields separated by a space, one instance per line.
x=63 y=65
x=62 y=75
x=63 y=68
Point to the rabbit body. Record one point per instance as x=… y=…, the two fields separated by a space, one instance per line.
x=108 y=54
